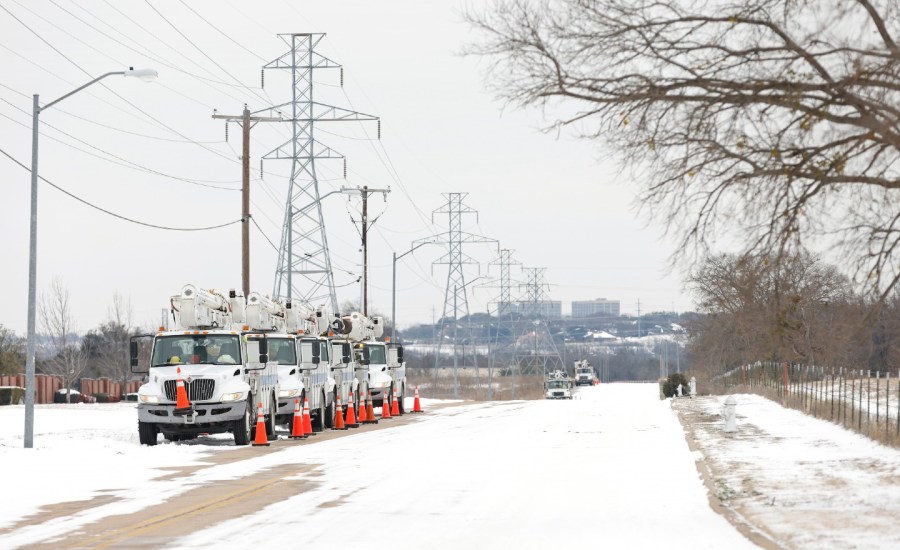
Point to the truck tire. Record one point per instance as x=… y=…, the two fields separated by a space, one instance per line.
x=319 y=424
x=329 y=413
x=270 y=422
x=147 y=433
x=401 y=398
x=241 y=428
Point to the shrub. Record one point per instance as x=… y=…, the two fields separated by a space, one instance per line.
x=12 y=395
x=670 y=386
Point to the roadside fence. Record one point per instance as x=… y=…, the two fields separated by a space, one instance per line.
x=860 y=400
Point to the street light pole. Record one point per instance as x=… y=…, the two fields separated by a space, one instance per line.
x=147 y=75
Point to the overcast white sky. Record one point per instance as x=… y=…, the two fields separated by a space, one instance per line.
x=555 y=200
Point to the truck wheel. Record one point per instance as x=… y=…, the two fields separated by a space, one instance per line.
x=319 y=424
x=270 y=423
x=329 y=413
x=401 y=398
x=147 y=433
x=241 y=427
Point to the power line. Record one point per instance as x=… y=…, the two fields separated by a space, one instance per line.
x=124 y=162
x=113 y=214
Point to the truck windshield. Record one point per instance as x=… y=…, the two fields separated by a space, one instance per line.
x=283 y=351
x=376 y=355
x=584 y=371
x=220 y=349
x=557 y=384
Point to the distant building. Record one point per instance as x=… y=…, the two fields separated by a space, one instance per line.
x=594 y=308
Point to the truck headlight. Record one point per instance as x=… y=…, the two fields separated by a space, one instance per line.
x=288 y=393
x=148 y=398
x=232 y=396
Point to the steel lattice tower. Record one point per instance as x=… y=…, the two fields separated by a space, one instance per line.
x=304 y=245
x=504 y=302
x=535 y=347
x=455 y=295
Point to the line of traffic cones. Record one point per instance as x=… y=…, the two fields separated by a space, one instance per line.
x=301 y=427
x=351 y=414
x=261 y=439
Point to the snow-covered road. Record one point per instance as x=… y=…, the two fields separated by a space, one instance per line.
x=611 y=468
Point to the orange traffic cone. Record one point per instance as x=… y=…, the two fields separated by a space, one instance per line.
x=395 y=407
x=351 y=414
x=261 y=438
x=361 y=417
x=182 y=405
x=385 y=405
x=417 y=407
x=370 y=410
x=307 y=421
x=297 y=427
x=339 y=415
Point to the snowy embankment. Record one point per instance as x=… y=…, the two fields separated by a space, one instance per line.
x=806 y=482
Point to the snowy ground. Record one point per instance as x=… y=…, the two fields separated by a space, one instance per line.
x=611 y=468
x=806 y=482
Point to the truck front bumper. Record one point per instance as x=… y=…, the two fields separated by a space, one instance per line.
x=203 y=413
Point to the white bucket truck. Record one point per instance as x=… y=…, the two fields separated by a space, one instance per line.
x=584 y=373
x=225 y=370
x=557 y=385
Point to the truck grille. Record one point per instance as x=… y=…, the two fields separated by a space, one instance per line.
x=197 y=390
x=557 y=394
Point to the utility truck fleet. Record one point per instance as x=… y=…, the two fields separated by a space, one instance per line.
x=233 y=354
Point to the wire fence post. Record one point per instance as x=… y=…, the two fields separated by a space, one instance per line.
x=877 y=400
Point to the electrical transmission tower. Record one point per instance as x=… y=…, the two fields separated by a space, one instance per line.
x=504 y=301
x=535 y=349
x=304 y=245
x=456 y=302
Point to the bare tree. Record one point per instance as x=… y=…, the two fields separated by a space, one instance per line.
x=64 y=356
x=775 y=122
x=107 y=345
x=801 y=310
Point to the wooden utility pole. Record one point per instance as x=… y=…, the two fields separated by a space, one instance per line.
x=245 y=121
x=364 y=192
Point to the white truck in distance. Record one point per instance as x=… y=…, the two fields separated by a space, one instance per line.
x=584 y=373
x=557 y=385
x=225 y=371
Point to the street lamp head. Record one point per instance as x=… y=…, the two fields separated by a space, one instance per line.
x=147 y=75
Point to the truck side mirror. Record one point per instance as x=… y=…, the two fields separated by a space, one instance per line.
x=345 y=353
x=316 y=353
x=135 y=349
x=263 y=350
x=399 y=354
x=367 y=358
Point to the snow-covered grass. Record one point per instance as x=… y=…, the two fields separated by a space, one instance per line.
x=808 y=482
